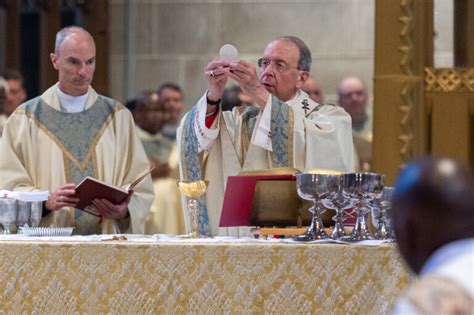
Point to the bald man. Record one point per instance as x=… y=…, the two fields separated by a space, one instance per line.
x=69 y=132
x=353 y=97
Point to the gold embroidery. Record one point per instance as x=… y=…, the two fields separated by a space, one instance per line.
x=291 y=123
x=90 y=152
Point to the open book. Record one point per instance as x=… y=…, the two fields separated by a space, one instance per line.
x=91 y=188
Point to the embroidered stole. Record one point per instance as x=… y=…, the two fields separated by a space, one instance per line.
x=191 y=166
x=282 y=141
x=77 y=135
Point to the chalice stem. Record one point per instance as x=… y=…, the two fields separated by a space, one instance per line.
x=193 y=213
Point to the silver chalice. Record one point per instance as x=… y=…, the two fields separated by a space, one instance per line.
x=361 y=188
x=316 y=187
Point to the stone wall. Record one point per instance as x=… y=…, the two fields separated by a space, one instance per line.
x=174 y=40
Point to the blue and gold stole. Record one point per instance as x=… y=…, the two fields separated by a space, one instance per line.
x=77 y=135
x=282 y=142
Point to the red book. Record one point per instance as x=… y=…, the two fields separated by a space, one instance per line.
x=91 y=188
x=239 y=197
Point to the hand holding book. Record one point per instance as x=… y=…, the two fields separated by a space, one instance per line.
x=109 y=210
x=101 y=199
x=62 y=197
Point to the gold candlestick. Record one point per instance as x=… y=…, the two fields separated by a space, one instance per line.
x=193 y=190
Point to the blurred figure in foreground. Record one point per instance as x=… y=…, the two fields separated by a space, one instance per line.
x=433 y=219
x=353 y=97
x=312 y=87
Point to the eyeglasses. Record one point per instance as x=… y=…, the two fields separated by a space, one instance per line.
x=279 y=65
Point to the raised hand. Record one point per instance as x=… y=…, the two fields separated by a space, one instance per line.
x=216 y=78
x=245 y=74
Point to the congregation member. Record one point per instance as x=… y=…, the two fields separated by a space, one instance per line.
x=432 y=217
x=150 y=114
x=314 y=91
x=53 y=141
x=16 y=91
x=171 y=95
x=353 y=97
x=284 y=128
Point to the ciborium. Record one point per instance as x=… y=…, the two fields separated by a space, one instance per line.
x=193 y=190
x=361 y=188
x=316 y=187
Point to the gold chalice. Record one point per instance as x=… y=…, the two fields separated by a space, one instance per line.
x=193 y=190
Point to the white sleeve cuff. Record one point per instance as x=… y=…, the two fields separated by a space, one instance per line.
x=204 y=135
x=262 y=136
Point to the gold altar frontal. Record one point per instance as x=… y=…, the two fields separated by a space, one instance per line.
x=122 y=277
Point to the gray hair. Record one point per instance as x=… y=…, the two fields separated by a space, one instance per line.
x=304 y=60
x=65 y=32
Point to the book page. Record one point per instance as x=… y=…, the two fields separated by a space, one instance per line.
x=140 y=178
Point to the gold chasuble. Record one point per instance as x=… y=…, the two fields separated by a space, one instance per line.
x=44 y=148
x=298 y=134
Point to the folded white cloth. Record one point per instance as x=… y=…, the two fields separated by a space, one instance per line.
x=25 y=196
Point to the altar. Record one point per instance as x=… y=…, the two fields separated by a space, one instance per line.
x=149 y=275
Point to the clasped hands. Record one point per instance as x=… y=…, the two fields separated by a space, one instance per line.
x=218 y=71
x=63 y=197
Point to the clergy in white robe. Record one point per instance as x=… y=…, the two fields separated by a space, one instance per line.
x=54 y=141
x=285 y=129
x=43 y=148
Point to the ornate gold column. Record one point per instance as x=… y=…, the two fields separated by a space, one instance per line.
x=418 y=109
x=403 y=48
x=450 y=104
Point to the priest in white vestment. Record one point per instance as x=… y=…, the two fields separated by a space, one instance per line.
x=69 y=132
x=285 y=128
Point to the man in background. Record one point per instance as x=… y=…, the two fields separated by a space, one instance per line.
x=16 y=91
x=314 y=91
x=53 y=141
x=151 y=115
x=353 y=97
x=171 y=95
x=433 y=220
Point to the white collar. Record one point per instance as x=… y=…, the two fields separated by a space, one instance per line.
x=71 y=104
